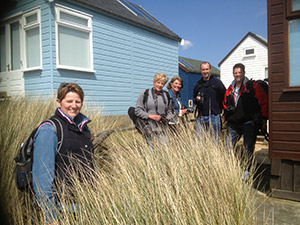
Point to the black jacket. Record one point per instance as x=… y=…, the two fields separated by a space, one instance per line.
x=213 y=91
x=76 y=153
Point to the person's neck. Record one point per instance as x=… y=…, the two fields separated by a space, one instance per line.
x=238 y=84
x=156 y=91
x=175 y=92
x=206 y=78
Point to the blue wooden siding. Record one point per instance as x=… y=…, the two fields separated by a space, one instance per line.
x=126 y=57
x=189 y=81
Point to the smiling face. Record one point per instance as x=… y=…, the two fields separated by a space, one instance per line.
x=238 y=75
x=71 y=104
x=158 y=85
x=176 y=86
x=205 y=71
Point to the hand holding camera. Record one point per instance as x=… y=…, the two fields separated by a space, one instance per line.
x=200 y=98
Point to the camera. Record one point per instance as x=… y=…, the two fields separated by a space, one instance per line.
x=164 y=120
x=202 y=96
x=188 y=109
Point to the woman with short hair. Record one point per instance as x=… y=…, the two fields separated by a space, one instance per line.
x=157 y=109
x=52 y=170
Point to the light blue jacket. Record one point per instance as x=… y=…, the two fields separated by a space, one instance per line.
x=175 y=99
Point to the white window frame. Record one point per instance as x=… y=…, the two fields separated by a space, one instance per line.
x=266 y=75
x=28 y=27
x=249 y=55
x=87 y=29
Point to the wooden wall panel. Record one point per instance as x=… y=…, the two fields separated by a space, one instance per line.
x=277 y=28
x=276 y=68
x=287 y=116
x=286 y=146
x=277 y=47
x=286 y=106
x=284 y=96
x=277 y=77
x=285 y=126
x=276 y=19
x=285 y=136
x=277 y=58
x=276 y=9
x=279 y=154
x=277 y=86
x=287 y=168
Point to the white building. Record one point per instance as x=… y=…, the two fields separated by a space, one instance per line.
x=252 y=51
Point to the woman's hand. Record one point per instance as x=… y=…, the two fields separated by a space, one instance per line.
x=155 y=117
x=184 y=111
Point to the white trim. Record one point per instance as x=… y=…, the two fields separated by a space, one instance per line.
x=75 y=68
x=67 y=9
x=33 y=68
x=127 y=8
x=87 y=29
x=37 y=11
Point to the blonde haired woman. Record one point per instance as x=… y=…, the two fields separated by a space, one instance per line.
x=157 y=109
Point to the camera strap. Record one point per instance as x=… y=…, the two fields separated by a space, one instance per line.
x=162 y=93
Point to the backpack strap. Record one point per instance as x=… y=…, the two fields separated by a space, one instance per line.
x=146 y=94
x=250 y=87
x=168 y=97
x=58 y=130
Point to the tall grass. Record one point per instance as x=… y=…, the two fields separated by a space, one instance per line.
x=182 y=180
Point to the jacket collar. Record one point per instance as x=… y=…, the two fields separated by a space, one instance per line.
x=244 y=82
x=78 y=121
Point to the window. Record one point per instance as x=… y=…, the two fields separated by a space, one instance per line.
x=293 y=17
x=294 y=52
x=266 y=72
x=15 y=46
x=31 y=22
x=248 y=52
x=296 y=5
x=74 y=39
x=2 y=50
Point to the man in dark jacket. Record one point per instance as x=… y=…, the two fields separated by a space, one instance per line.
x=246 y=109
x=208 y=95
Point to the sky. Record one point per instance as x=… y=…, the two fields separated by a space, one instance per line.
x=210 y=28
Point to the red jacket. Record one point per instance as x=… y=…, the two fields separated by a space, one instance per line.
x=251 y=103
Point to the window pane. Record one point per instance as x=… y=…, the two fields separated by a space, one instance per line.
x=15 y=46
x=73 y=19
x=296 y=5
x=33 y=47
x=249 y=51
x=266 y=72
x=74 y=47
x=31 y=19
x=294 y=49
x=2 y=50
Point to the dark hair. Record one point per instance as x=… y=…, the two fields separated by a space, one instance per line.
x=239 y=65
x=65 y=88
x=169 y=86
x=204 y=62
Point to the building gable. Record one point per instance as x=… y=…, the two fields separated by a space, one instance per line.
x=253 y=53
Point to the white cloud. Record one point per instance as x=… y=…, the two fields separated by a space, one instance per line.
x=186 y=44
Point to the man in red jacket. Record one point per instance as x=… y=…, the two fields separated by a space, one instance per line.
x=246 y=109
